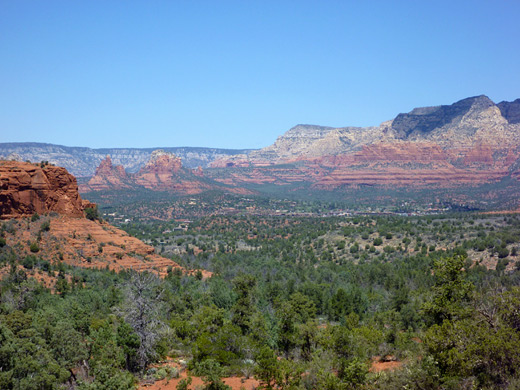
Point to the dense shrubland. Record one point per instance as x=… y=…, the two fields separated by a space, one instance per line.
x=297 y=302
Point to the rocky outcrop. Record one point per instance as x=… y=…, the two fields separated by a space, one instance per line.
x=27 y=188
x=426 y=119
x=162 y=172
x=108 y=176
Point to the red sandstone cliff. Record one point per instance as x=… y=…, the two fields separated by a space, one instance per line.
x=27 y=188
x=401 y=164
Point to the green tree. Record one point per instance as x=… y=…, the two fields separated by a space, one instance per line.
x=243 y=308
x=92 y=213
x=211 y=373
x=266 y=368
x=451 y=292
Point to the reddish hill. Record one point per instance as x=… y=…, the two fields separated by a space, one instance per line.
x=85 y=243
x=64 y=234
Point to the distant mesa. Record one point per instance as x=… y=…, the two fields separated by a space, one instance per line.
x=470 y=142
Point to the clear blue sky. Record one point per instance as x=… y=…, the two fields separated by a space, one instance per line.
x=237 y=74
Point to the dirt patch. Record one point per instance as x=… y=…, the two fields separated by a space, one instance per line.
x=236 y=383
x=379 y=364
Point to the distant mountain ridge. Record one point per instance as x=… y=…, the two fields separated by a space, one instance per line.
x=83 y=161
x=470 y=142
x=462 y=124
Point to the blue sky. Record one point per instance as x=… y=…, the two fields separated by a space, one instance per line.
x=237 y=74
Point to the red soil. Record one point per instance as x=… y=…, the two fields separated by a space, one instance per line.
x=388 y=364
x=236 y=383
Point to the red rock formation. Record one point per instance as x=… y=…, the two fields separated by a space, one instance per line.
x=27 y=188
x=480 y=154
x=401 y=164
x=198 y=172
x=162 y=162
x=164 y=172
x=108 y=176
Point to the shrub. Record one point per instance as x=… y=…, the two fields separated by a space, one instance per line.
x=92 y=213
x=388 y=249
x=184 y=384
x=503 y=252
x=29 y=262
x=34 y=248
x=45 y=226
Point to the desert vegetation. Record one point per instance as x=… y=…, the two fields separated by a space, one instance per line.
x=294 y=301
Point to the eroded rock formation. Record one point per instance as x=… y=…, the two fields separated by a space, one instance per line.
x=109 y=176
x=27 y=188
x=163 y=172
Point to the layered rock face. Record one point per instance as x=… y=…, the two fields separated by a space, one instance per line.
x=26 y=189
x=472 y=141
